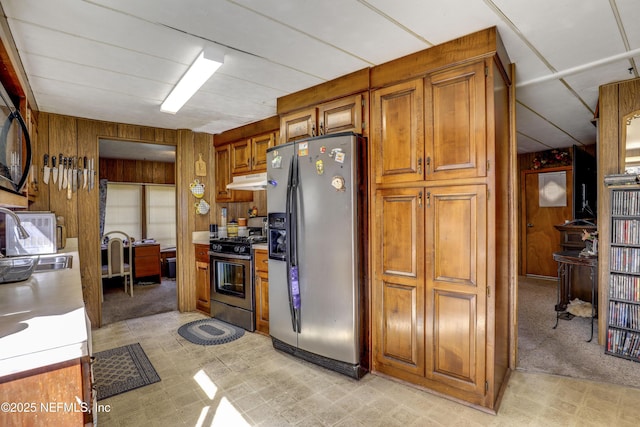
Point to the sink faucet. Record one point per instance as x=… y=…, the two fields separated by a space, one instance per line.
x=22 y=233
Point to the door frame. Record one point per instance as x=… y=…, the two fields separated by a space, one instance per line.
x=523 y=210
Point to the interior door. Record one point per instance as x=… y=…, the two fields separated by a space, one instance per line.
x=540 y=238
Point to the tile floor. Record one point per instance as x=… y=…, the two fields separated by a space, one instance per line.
x=248 y=383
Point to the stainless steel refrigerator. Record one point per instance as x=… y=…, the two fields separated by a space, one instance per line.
x=316 y=202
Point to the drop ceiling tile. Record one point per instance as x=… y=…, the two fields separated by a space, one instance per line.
x=82 y=75
x=575 y=32
x=548 y=133
x=66 y=48
x=247 y=31
x=350 y=26
x=629 y=14
x=528 y=145
x=266 y=73
x=553 y=101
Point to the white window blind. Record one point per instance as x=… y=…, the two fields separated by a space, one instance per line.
x=161 y=214
x=123 y=209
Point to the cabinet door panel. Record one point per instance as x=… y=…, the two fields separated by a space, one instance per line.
x=262 y=302
x=241 y=157
x=397 y=118
x=223 y=173
x=455 y=236
x=455 y=335
x=456 y=257
x=259 y=147
x=203 y=289
x=223 y=177
x=343 y=115
x=455 y=120
x=398 y=295
x=299 y=125
x=400 y=342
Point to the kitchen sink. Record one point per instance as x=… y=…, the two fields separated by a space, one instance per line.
x=19 y=268
x=53 y=262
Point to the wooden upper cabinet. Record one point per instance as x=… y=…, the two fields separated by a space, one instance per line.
x=455 y=105
x=223 y=173
x=397 y=118
x=432 y=128
x=259 y=146
x=343 y=115
x=298 y=125
x=223 y=177
x=241 y=157
x=250 y=155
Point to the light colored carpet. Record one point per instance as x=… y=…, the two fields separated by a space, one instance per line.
x=564 y=350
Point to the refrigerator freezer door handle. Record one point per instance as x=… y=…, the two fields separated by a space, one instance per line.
x=289 y=249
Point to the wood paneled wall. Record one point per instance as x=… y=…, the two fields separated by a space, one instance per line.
x=616 y=101
x=138 y=171
x=79 y=137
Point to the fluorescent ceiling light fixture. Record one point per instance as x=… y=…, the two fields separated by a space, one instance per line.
x=202 y=68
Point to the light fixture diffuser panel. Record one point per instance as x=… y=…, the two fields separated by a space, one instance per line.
x=199 y=72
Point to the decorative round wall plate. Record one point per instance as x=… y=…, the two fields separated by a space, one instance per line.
x=197 y=188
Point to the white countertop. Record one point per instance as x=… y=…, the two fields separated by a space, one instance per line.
x=43 y=320
x=260 y=246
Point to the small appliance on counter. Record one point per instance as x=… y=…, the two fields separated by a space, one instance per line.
x=42 y=230
x=61 y=233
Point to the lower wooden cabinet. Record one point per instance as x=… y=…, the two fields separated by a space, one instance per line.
x=54 y=395
x=203 y=279
x=430 y=288
x=261 y=276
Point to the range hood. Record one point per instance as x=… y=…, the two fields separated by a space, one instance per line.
x=254 y=182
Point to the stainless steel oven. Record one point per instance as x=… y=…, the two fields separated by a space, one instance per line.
x=232 y=293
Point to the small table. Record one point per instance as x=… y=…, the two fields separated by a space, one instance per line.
x=566 y=261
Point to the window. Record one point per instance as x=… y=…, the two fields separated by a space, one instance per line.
x=161 y=213
x=142 y=211
x=123 y=209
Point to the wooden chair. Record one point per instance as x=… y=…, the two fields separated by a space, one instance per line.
x=117 y=264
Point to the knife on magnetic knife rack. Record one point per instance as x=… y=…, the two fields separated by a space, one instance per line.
x=46 y=169
x=79 y=172
x=69 y=177
x=54 y=169
x=60 y=170
x=92 y=174
x=62 y=179
x=84 y=173
x=74 y=175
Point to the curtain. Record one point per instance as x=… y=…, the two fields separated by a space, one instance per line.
x=102 y=185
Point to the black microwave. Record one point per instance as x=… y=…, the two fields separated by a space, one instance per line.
x=15 y=146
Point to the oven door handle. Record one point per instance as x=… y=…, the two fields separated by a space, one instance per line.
x=223 y=257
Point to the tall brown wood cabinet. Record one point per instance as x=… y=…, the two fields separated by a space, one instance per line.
x=443 y=164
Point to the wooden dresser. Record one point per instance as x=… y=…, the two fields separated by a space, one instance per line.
x=146 y=261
